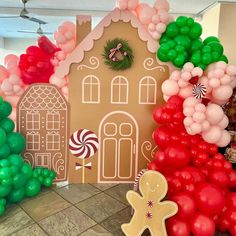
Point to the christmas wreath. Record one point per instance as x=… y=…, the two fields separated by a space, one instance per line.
x=118 y=54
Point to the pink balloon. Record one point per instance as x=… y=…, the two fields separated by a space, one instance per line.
x=164 y=16
x=60 y=38
x=145 y=15
x=69 y=35
x=60 y=55
x=205 y=125
x=214 y=83
x=196 y=128
x=14 y=79
x=188 y=111
x=214 y=114
x=69 y=26
x=186 y=91
x=190 y=102
x=224 y=122
x=60 y=82
x=6 y=86
x=219 y=72
x=151 y=27
x=186 y=75
x=224 y=139
x=170 y=87
x=199 y=117
x=226 y=79
x=182 y=83
x=188 y=121
x=188 y=67
x=122 y=4
x=162 y=5
x=132 y=4
x=197 y=71
x=11 y=59
x=68 y=47
x=156 y=35
x=223 y=92
x=3 y=72
x=175 y=75
x=156 y=19
x=200 y=107
x=140 y=7
x=161 y=27
x=212 y=135
x=231 y=70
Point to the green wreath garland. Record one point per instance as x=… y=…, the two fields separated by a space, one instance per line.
x=118 y=55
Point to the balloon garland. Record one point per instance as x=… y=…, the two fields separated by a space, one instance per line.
x=118 y=55
x=17 y=178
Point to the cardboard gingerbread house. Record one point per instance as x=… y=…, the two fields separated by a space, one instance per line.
x=43 y=118
x=115 y=105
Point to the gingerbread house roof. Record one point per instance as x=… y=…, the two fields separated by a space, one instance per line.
x=42 y=97
x=88 y=42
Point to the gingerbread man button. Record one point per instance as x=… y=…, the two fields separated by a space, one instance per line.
x=149 y=212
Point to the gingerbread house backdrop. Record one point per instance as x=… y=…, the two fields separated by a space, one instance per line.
x=43 y=118
x=115 y=105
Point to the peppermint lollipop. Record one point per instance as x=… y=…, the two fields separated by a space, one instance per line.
x=83 y=143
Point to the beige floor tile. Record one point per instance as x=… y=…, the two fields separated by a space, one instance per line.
x=75 y=193
x=59 y=185
x=33 y=230
x=70 y=221
x=100 y=206
x=104 y=187
x=44 y=205
x=97 y=230
x=14 y=219
x=113 y=223
x=119 y=192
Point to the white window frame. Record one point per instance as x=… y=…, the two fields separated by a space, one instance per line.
x=30 y=118
x=121 y=84
x=53 y=141
x=93 y=81
x=53 y=121
x=145 y=82
x=33 y=142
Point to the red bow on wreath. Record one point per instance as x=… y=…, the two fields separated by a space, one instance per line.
x=113 y=51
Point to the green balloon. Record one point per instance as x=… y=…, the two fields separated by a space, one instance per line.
x=7 y=182
x=52 y=174
x=183 y=40
x=3 y=137
x=165 y=48
x=2 y=210
x=172 y=30
x=5 y=163
x=3 y=201
x=35 y=174
x=172 y=54
x=27 y=170
x=7 y=124
x=216 y=47
x=5 y=172
x=196 y=45
x=48 y=182
x=181 y=21
x=215 y=56
x=39 y=170
x=32 y=188
x=190 y=21
x=5 y=109
x=171 y=43
x=185 y=30
x=19 y=180
x=16 y=160
x=4 y=190
x=16 y=142
x=46 y=173
x=16 y=195
x=206 y=58
x=14 y=170
x=161 y=55
x=196 y=31
x=206 y=49
x=224 y=58
x=179 y=49
x=4 y=151
x=179 y=61
x=164 y=39
x=41 y=179
x=196 y=58
x=202 y=66
x=211 y=39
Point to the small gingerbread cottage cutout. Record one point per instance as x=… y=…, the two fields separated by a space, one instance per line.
x=43 y=119
x=116 y=105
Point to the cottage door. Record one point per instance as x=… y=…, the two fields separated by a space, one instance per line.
x=118 y=135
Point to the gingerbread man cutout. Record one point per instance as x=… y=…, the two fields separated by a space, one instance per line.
x=149 y=211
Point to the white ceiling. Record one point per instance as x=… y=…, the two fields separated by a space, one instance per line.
x=57 y=11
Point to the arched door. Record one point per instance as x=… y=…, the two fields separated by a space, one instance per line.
x=118 y=135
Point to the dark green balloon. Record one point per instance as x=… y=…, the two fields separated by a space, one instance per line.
x=14 y=170
x=4 y=151
x=32 y=188
x=190 y=21
x=196 y=31
x=7 y=182
x=48 y=182
x=215 y=56
x=4 y=190
x=181 y=21
x=16 y=142
x=19 y=180
x=179 y=49
x=5 y=109
x=224 y=58
x=3 y=201
x=171 y=43
x=7 y=124
x=2 y=210
x=3 y=137
x=206 y=58
x=41 y=179
x=196 y=58
x=183 y=41
x=46 y=173
x=164 y=39
x=16 y=160
x=185 y=30
x=202 y=66
x=216 y=47
x=52 y=174
x=172 y=54
x=4 y=163
x=211 y=39
x=16 y=195
x=162 y=55
x=196 y=45
x=27 y=170
x=5 y=172
x=165 y=48
x=172 y=30
x=179 y=61
x=206 y=49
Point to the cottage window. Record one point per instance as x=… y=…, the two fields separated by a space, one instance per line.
x=53 y=141
x=91 y=89
x=119 y=90
x=32 y=121
x=147 y=90
x=53 y=121
x=33 y=141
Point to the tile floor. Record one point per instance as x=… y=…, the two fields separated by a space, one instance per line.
x=68 y=210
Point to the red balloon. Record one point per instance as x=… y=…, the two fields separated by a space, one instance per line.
x=231 y=201
x=186 y=177
x=231 y=216
x=219 y=177
x=212 y=149
x=152 y=166
x=177 y=156
x=203 y=147
x=227 y=167
x=219 y=156
x=223 y=225
x=160 y=159
x=189 y=188
x=177 y=100
x=217 y=164
x=232 y=179
x=186 y=205
x=46 y=45
x=202 y=225
x=157 y=115
x=209 y=198
x=232 y=230
x=197 y=175
x=162 y=136
x=177 y=227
